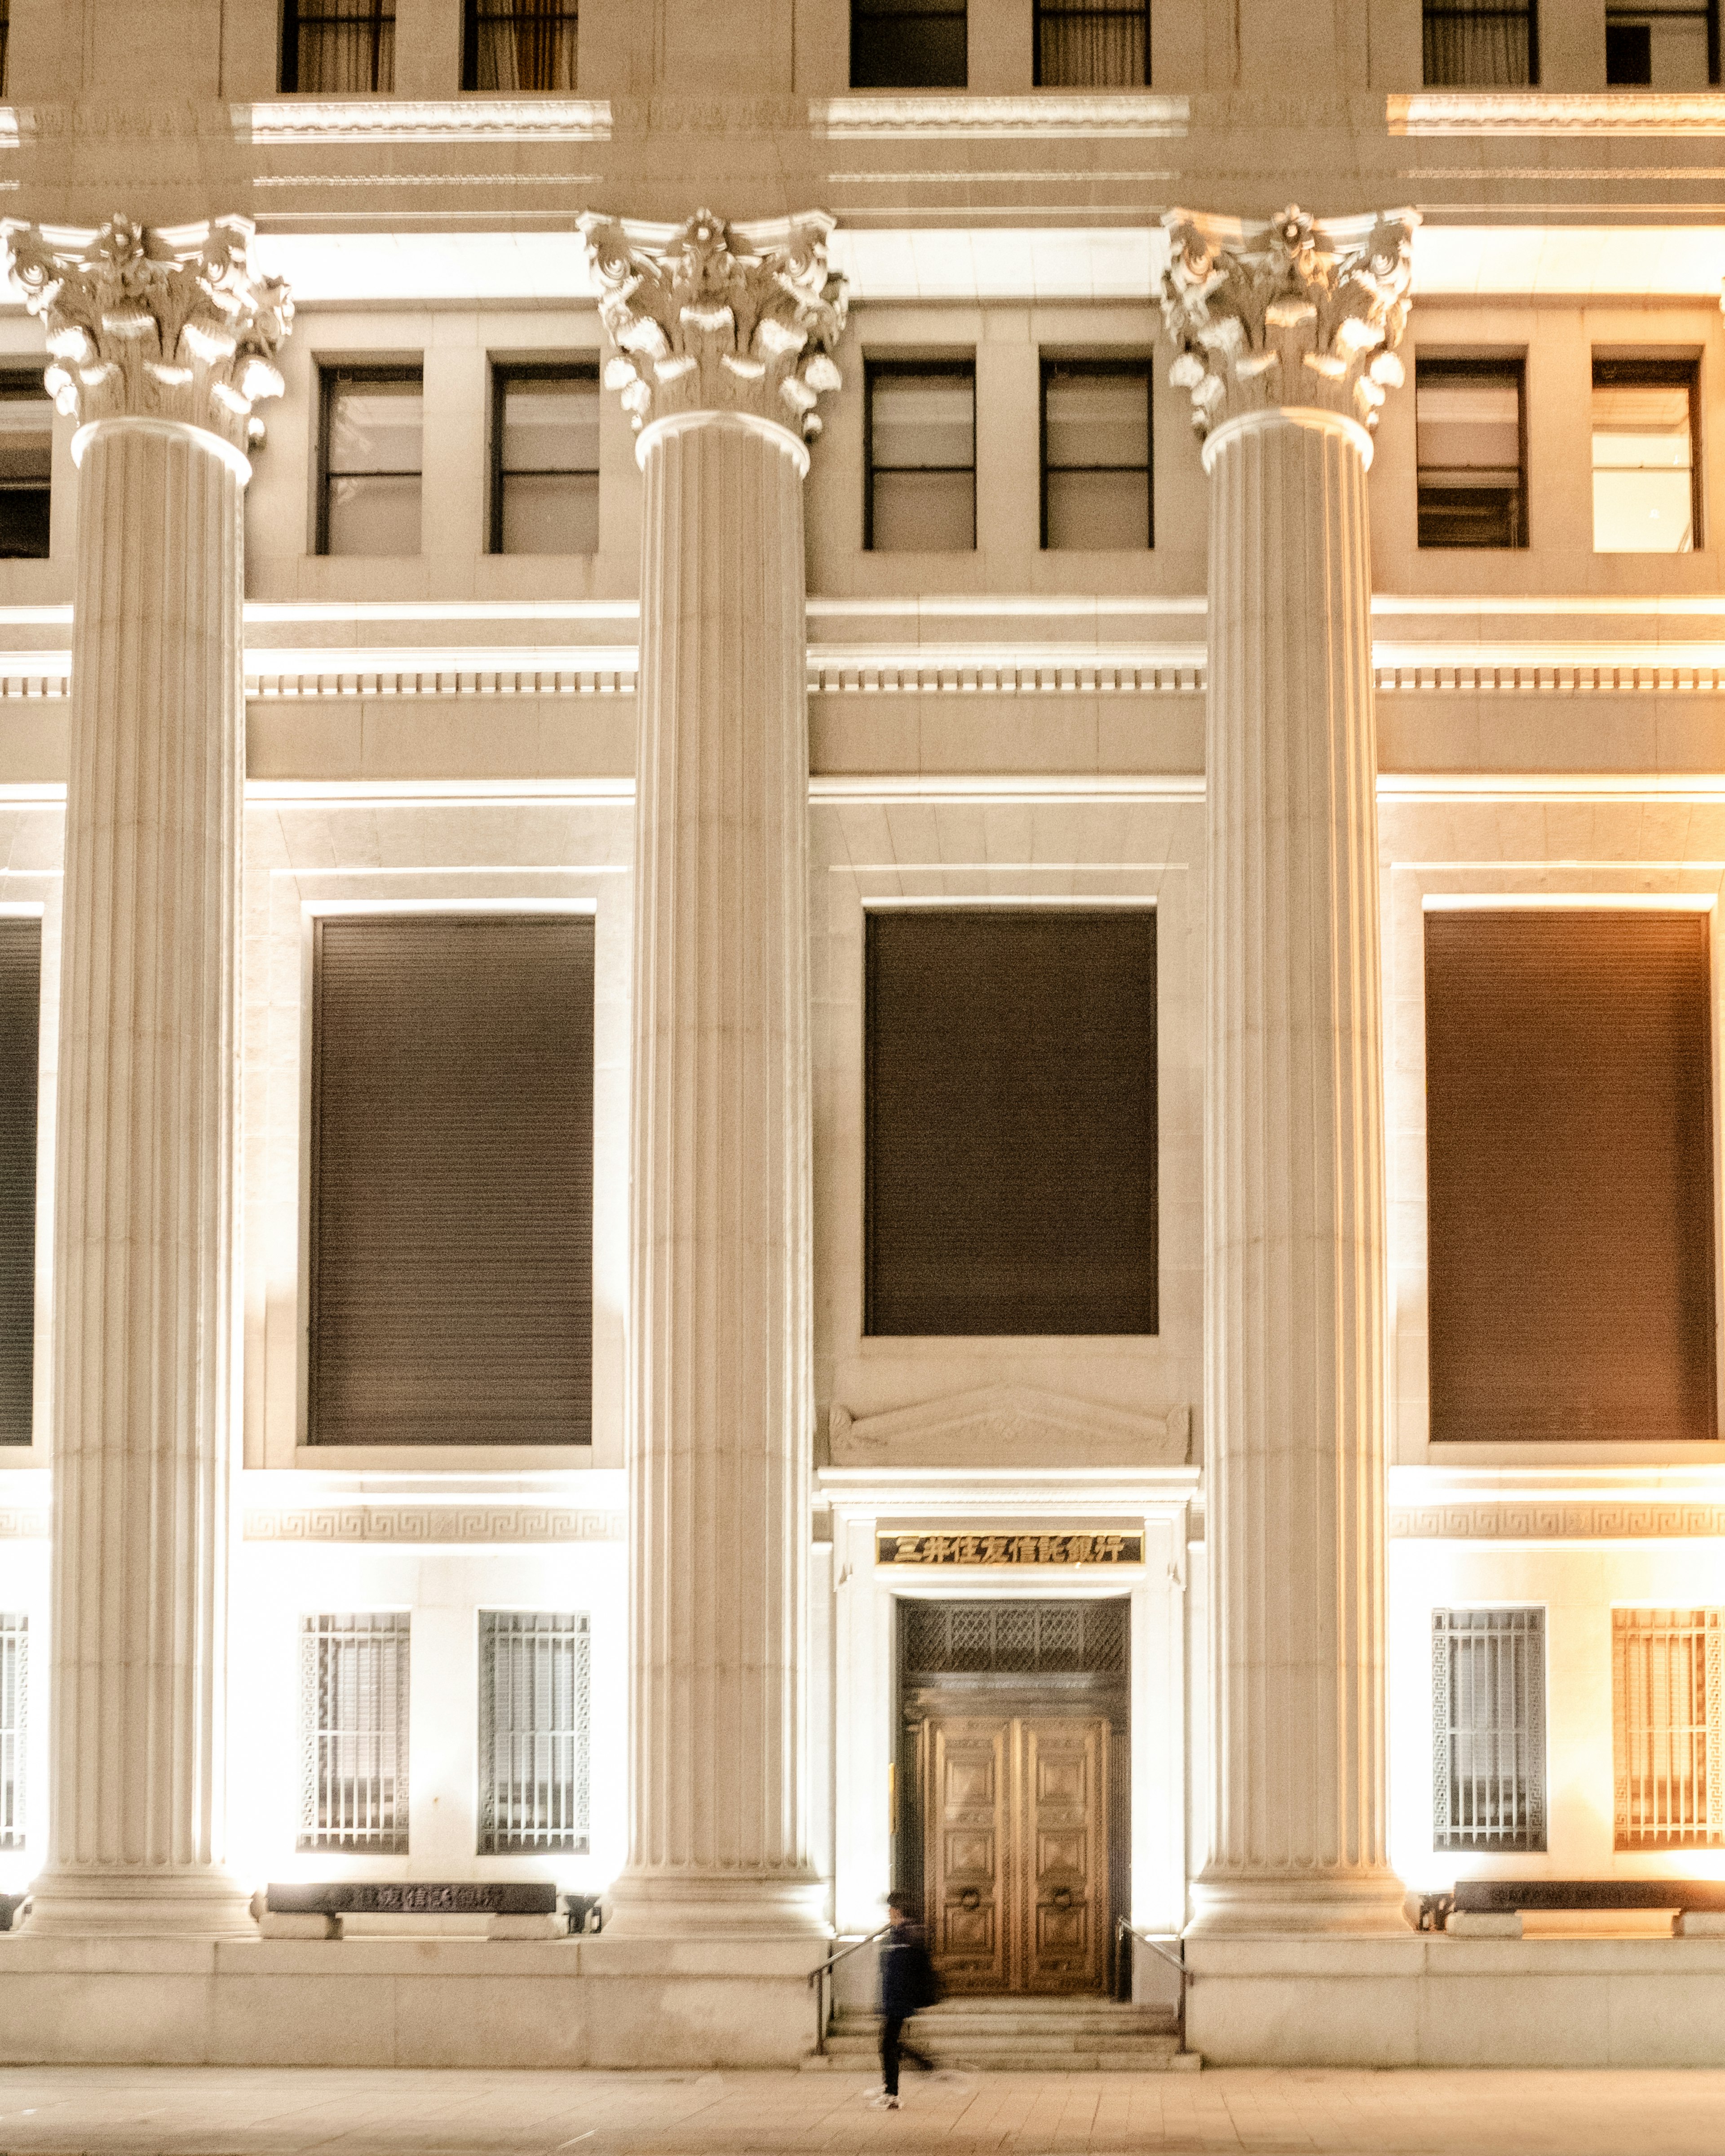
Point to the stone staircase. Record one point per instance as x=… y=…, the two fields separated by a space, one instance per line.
x=1023 y=2036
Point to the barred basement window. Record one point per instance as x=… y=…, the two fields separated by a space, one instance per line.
x=534 y=1671
x=1488 y=1728
x=353 y=1731
x=14 y=1672
x=1665 y=1712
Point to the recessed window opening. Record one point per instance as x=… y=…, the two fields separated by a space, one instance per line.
x=20 y=1030
x=1481 y=45
x=353 y=1710
x=5 y=48
x=524 y=46
x=14 y=1678
x=1668 y=45
x=535 y=1670
x=1666 y=1677
x=1471 y=430
x=26 y=466
x=545 y=459
x=908 y=44
x=1095 y=455
x=1646 y=476
x=920 y=450
x=372 y=451
x=1092 y=44
x=1488 y=1728
x=338 y=48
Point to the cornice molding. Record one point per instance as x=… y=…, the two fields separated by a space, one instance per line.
x=1510 y=1521
x=1290 y=313
x=1006 y=1427
x=304 y=122
x=876 y=115
x=1618 y=112
x=432 y=1523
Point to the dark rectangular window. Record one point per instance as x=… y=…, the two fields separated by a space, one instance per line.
x=1646 y=473
x=1469 y=421
x=1488 y=1728
x=920 y=448
x=20 y=1033
x=26 y=466
x=1011 y=1120
x=1669 y=45
x=908 y=44
x=338 y=48
x=1095 y=455
x=451 y=1231
x=1092 y=44
x=524 y=46
x=545 y=460
x=371 y=453
x=5 y=48
x=1568 y=1087
x=1481 y=45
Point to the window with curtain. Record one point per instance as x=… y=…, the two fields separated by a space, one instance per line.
x=1010 y=1121
x=535 y=1668
x=1647 y=478
x=1488 y=1728
x=527 y=46
x=1095 y=455
x=20 y=1027
x=1469 y=426
x=5 y=48
x=1092 y=44
x=338 y=48
x=545 y=459
x=1665 y=1701
x=371 y=452
x=908 y=44
x=353 y=1731
x=26 y=466
x=920 y=450
x=1669 y=44
x=1481 y=45
x=14 y=1677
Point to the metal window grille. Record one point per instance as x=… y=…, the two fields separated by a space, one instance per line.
x=14 y=1672
x=1665 y=1703
x=353 y=1721
x=1015 y=1638
x=1488 y=1728
x=534 y=1671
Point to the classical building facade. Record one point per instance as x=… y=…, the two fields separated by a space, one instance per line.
x=858 y=874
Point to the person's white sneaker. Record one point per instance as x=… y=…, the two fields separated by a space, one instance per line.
x=884 y=2102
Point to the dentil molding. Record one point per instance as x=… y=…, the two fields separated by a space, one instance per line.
x=1618 y=112
x=1291 y=313
x=303 y=122
x=934 y=115
x=432 y=1523
x=711 y=317
x=170 y=324
x=1008 y=1426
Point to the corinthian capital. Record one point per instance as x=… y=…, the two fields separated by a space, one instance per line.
x=170 y=324
x=708 y=316
x=1289 y=313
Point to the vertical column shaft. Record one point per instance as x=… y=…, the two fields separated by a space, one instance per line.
x=722 y=1402
x=145 y=1198
x=1295 y=1281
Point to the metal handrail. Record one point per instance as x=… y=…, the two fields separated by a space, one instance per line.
x=821 y=1978
x=1124 y=1929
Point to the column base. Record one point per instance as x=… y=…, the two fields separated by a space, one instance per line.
x=1344 y=1901
x=117 y=1903
x=683 y=1905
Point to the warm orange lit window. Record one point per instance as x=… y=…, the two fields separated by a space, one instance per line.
x=1646 y=492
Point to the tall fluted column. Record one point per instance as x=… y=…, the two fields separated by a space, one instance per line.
x=723 y=338
x=1285 y=334
x=161 y=342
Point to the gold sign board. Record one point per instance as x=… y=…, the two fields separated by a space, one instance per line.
x=938 y=1549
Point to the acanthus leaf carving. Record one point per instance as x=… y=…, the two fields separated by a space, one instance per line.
x=174 y=323
x=1290 y=313
x=709 y=316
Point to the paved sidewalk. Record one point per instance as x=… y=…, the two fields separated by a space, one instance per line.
x=170 y=2111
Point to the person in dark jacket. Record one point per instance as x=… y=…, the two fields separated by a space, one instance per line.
x=907 y=1985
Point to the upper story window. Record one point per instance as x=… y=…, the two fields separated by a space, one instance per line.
x=919 y=495
x=1471 y=427
x=338 y=48
x=1669 y=44
x=908 y=44
x=5 y=48
x=1570 y=1175
x=371 y=451
x=1481 y=45
x=20 y=1007
x=1092 y=44
x=451 y=1180
x=526 y=46
x=1646 y=482
x=1095 y=455
x=545 y=460
x=26 y=466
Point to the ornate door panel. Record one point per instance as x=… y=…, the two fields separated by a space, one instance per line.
x=969 y=1828
x=1063 y=1774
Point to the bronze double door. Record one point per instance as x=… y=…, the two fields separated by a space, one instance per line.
x=1015 y=1849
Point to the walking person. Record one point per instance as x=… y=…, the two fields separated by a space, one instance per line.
x=908 y=1983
